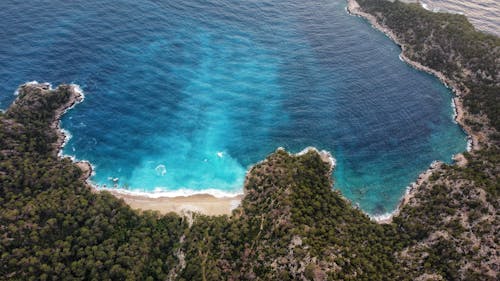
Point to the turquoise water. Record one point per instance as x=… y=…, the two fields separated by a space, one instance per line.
x=184 y=97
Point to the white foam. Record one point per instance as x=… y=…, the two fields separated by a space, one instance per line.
x=389 y=215
x=331 y=159
x=425 y=6
x=78 y=90
x=93 y=168
x=306 y=150
x=455 y=113
x=234 y=204
x=67 y=137
x=469 y=144
x=161 y=170
x=183 y=192
x=66 y=133
x=382 y=217
x=220 y=154
x=34 y=82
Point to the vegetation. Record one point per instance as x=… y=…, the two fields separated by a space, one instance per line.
x=452 y=221
x=451 y=45
x=51 y=225
x=290 y=225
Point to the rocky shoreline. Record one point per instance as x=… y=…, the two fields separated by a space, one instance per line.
x=211 y=205
x=203 y=203
x=76 y=97
x=354 y=9
x=475 y=139
x=206 y=204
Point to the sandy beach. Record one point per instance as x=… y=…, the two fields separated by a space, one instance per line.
x=199 y=203
x=210 y=205
x=202 y=203
x=183 y=205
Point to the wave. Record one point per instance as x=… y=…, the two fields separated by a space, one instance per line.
x=161 y=170
x=183 y=192
x=455 y=112
x=78 y=90
x=67 y=134
x=67 y=137
x=425 y=6
x=34 y=82
x=481 y=13
x=469 y=143
x=325 y=153
x=382 y=217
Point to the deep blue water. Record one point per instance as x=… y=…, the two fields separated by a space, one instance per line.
x=189 y=94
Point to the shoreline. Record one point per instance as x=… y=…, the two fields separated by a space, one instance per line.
x=63 y=136
x=203 y=203
x=410 y=192
x=353 y=8
x=210 y=204
x=473 y=140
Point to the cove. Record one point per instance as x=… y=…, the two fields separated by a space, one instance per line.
x=184 y=97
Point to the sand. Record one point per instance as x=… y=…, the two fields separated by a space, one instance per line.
x=205 y=204
x=210 y=205
x=200 y=203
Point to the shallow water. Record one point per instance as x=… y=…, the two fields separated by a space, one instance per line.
x=185 y=96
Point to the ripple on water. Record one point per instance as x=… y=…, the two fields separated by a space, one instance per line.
x=185 y=96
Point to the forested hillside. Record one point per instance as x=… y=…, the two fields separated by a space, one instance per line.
x=449 y=44
x=453 y=218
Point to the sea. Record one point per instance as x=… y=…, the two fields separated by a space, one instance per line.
x=182 y=97
x=483 y=14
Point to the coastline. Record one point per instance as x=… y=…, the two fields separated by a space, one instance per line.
x=353 y=8
x=212 y=204
x=62 y=135
x=473 y=140
x=206 y=204
x=203 y=202
x=410 y=192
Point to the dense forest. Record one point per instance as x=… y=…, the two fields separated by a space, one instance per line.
x=291 y=225
x=450 y=44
